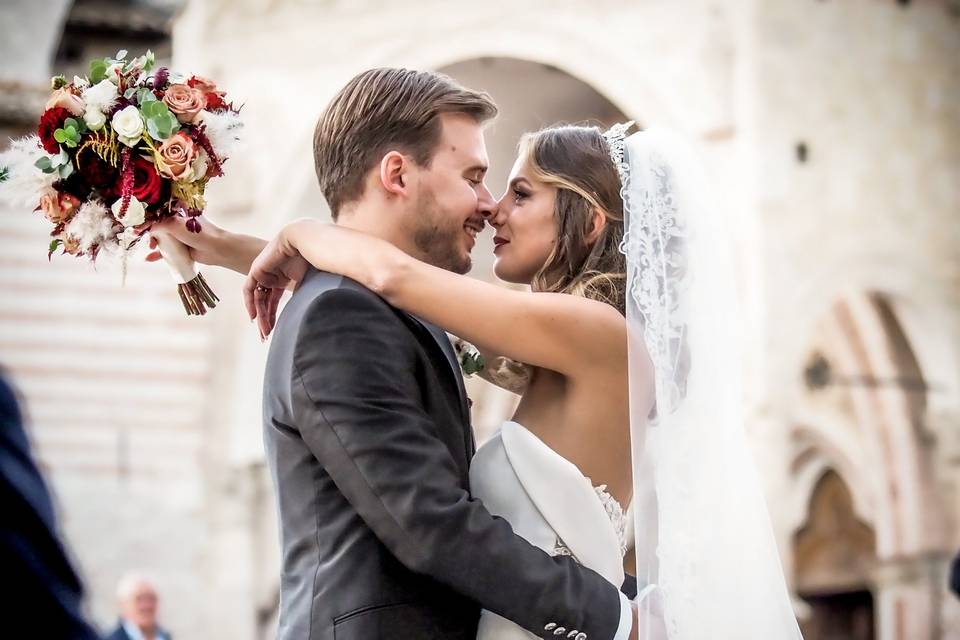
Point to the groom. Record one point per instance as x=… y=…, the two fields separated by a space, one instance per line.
x=366 y=421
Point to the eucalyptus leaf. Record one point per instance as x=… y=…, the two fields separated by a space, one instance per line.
x=43 y=162
x=98 y=71
x=66 y=170
x=174 y=125
x=121 y=54
x=156 y=132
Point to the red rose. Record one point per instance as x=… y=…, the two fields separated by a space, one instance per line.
x=214 y=97
x=147 y=185
x=50 y=121
x=97 y=173
x=215 y=101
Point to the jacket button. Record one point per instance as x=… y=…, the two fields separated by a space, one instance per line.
x=559 y=631
x=550 y=626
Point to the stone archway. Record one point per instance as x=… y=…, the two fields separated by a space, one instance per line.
x=864 y=413
x=834 y=558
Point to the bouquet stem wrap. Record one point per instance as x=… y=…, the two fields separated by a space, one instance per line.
x=195 y=294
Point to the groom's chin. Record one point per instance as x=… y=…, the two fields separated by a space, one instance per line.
x=462 y=265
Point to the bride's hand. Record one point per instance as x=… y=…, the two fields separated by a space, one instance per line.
x=277 y=267
x=213 y=245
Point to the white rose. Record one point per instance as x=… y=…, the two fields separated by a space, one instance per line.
x=94 y=119
x=135 y=212
x=129 y=125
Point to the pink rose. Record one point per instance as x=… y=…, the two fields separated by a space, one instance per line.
x=176 y=157
x=185 y=102
x=58 y=207
x=64 y=99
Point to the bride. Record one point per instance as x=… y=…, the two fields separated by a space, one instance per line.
x=624 y=397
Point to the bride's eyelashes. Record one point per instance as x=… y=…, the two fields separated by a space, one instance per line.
x=519 y=195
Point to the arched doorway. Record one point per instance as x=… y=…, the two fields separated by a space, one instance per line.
x=866 y=480
x=834 y=554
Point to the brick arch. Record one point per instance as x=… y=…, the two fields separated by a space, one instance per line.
x=877 y=380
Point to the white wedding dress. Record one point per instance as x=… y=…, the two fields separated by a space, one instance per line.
x=549 y=503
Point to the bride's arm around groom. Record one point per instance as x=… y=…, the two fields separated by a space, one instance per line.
x=358 y=391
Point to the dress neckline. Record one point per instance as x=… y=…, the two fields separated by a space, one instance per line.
x=615 y=510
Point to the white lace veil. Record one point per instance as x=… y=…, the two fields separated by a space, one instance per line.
x=704 y=543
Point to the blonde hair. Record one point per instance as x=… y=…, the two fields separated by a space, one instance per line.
x=575 y=159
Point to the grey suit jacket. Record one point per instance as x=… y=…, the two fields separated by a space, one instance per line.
x=368 y=440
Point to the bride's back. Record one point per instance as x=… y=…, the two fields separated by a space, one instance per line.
x=583 y=415
x=585 y=419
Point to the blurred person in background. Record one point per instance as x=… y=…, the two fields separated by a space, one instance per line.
x=37 y=575
x=138 y=610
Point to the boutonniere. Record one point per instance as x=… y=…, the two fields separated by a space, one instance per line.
x=470 y=358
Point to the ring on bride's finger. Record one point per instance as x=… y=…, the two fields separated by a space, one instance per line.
x=261 y=288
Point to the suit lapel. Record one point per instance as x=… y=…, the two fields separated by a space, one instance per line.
x=440 y=337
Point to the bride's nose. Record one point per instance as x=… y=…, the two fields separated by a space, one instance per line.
x=497 y=214
x=492 y=215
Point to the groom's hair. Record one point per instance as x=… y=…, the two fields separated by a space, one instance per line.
x=382 y=110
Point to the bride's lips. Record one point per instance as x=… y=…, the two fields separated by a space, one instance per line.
x=499 y=242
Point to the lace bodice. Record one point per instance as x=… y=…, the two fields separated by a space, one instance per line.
x=618 y=518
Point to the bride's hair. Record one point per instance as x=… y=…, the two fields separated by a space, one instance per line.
x=575 y=159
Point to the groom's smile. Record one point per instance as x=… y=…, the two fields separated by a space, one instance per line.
x=473 y=227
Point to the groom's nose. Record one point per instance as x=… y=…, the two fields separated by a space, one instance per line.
x=486 y=204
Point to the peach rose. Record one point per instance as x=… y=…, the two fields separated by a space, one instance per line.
x=58 y=207
x=176 y=157
x=185 y=102
x=67 y=100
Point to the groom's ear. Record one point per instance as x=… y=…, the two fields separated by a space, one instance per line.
x=394 y=167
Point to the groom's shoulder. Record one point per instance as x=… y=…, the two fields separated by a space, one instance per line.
x=320 y=289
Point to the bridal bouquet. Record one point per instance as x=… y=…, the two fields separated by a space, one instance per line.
x=126 y=146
